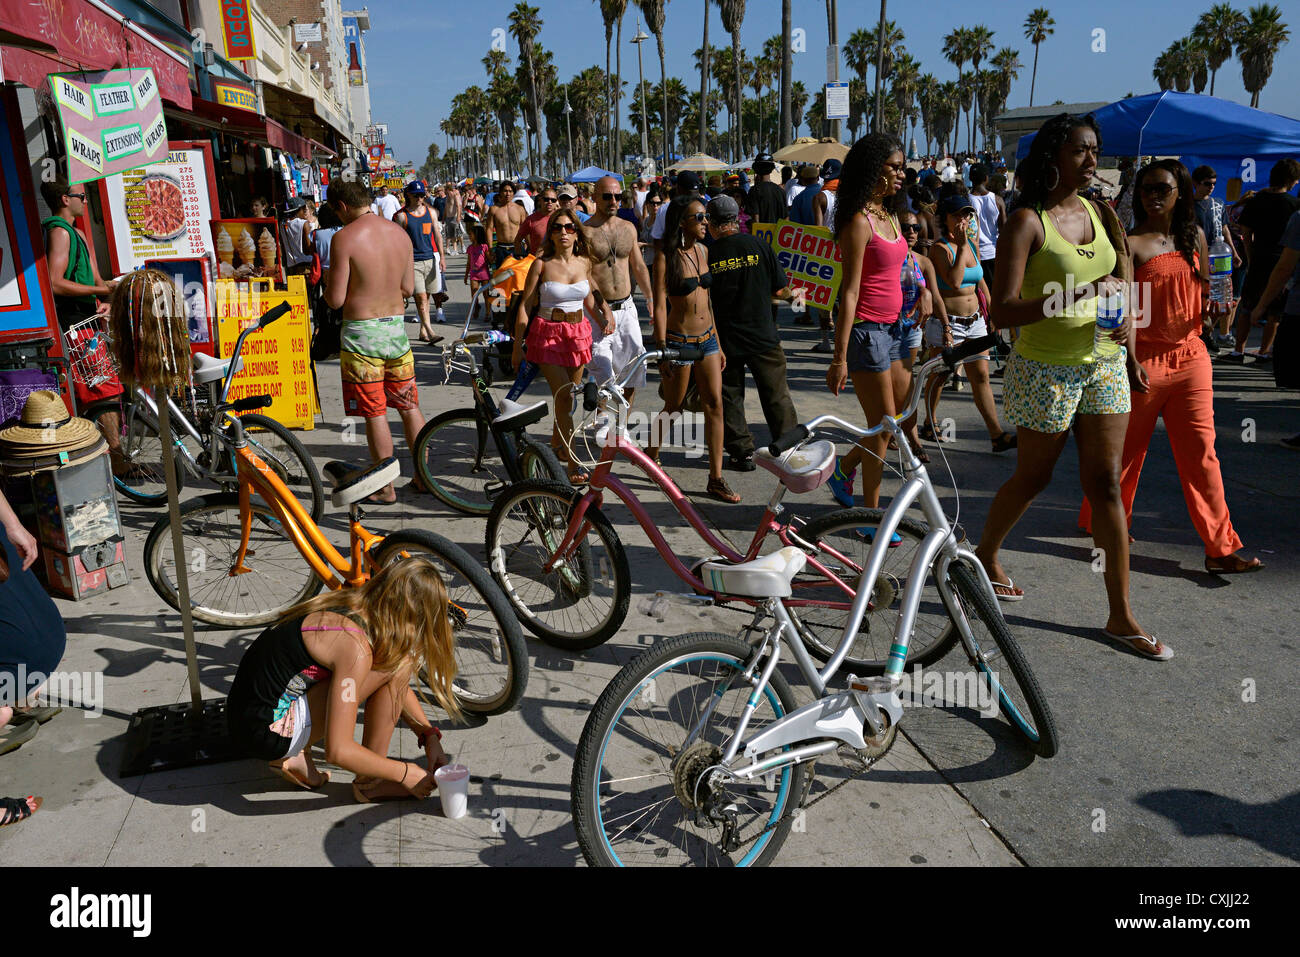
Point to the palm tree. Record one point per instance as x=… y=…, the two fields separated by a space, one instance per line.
x=1217 y=29
x=927 y=93
x=945 y=114
x=725 y=71
x=956 y=50
x=787 y=67
x=860 y=52
x=1038 y=27
x=798 y=100
x=1198 y=61
x=886 y=45
x=906 y=75
x=1163 y=71
x=733 y=15
x=503 y=95
x=981 y=45
x=858 y=106
x=610 y=14
x=618 y=86
x=655 y=11
x=1006 y=67
x=703 y=63
x=1258 y=42
x=525 y=24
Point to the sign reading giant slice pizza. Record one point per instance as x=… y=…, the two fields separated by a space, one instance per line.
x=237 y=29
x=112 y=121
x=810 y=257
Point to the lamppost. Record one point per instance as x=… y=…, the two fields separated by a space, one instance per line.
x=568 y=132
x=640 y=38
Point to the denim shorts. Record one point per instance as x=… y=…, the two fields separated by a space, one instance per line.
x=873 y=346
x=708 y=342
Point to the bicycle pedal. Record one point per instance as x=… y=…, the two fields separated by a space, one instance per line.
x=493 y=489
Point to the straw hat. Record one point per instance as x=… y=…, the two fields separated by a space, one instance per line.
x=46 y=428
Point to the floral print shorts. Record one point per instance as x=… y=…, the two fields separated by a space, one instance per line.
x=1046 y=397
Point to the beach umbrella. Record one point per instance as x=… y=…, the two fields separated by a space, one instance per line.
x=589 y=174
x=700 y=163
x=815 y=152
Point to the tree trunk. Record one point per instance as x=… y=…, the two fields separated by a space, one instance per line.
x=1034 y=77
x=701 y=140
x=787 y=135
x=740 y=118
x=618 y=99
x=663 y=89
x=609 y=92
x=880 y=65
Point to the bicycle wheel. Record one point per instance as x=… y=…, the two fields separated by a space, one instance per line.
x=144 y=483
x=582 y=601
x=491 y=658
x=996 y=655
x=457 y=458
x=277 y=575
x=640 y=792
x=841 y=533
x=279 y=448
x=537 y=460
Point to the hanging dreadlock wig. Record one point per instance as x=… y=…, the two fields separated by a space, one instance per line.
x=147 y=321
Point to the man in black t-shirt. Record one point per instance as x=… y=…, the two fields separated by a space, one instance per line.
x=746 y=277
x=765 y=201
x=1263 y=220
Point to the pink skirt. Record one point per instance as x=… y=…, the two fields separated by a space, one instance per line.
x=564 y=344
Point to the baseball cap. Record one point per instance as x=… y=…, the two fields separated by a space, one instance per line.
x=415 y=188
x=764 y=163
x=688 y=181
x=294 y=204
x=722 y=209
x=567 y=191
x=831 y=169
x=955 y=204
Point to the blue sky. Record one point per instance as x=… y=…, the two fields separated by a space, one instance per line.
x=413 y=80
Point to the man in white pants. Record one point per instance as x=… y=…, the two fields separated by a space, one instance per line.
x=616 y=261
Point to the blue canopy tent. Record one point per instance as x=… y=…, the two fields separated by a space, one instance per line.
x=1201 y=130
x=589 y=174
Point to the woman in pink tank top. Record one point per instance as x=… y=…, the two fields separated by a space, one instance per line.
x=868 y=338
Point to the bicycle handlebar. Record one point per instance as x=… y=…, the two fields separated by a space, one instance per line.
x=249 y=404
x=272 y=314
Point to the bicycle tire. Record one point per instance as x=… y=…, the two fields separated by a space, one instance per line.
x=457 y=439
x=721 y=657
x=138 y=431
x=537 y=460
x=295 y=467
x=491 y=657
x=210 y=529
x=1023 y=690
x=527 y=522
x=822 y=628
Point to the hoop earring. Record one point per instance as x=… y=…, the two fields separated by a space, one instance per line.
x=1056 y=182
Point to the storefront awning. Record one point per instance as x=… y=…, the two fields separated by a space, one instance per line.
x=83 y=35
x=321 y=149
x=249 y=126
x=285 y=139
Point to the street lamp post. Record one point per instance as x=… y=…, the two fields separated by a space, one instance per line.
x=640 y=38
x=568 y=132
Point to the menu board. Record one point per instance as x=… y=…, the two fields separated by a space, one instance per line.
x=276 y=360
x=162 y=210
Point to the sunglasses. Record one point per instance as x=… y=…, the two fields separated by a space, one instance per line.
x=564 y=227
x=76 y=195
x=1157 y=189
x=699 y=217
x=549 y=199
x=911 y=227
x=609 y=196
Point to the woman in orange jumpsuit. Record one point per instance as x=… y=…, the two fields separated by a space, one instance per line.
x=1168 y=363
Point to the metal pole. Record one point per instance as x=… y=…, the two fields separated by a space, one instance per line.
x=640 y=72
x=180 y=562
x=832 y=25
x=568 y=131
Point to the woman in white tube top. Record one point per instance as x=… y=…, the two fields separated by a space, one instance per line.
x=559 y=340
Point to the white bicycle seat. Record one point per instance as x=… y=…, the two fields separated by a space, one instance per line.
x=208 y=369
x=801 y=469
x=352 y=486
x=765 y=577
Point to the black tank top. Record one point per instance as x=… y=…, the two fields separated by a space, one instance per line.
x=274 y=671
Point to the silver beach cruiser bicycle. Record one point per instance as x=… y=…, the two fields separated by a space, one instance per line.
x=696 y=752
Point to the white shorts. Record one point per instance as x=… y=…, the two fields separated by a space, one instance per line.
x=609 y=354
x=301 y=726
x=960 y=332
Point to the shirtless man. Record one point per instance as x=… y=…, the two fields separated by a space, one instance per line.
x=452 y=228
x=372 y=271
x=503 y=222
x=612 y=244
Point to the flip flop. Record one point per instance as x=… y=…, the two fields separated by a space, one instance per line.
x=1145 y=645
x=297 y=781
x=14 y=810
x=17 y=733
x=1011 y=587
x=1239 y=566
x=39 y=714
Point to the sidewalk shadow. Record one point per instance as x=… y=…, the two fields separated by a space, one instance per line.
x=1271 y=825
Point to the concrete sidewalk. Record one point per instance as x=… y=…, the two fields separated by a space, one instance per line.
x=1180 y=767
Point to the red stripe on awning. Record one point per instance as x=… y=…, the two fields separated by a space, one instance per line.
x=82 y=36
x=283 y=138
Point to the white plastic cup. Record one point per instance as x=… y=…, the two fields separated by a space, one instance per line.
x=453 y=789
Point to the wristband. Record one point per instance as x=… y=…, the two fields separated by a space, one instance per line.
x=422 y=735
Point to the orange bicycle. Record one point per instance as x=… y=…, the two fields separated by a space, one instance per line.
x=251 y=559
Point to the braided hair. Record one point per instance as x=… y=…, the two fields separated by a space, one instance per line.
x=860 y=174
x=1036 y=176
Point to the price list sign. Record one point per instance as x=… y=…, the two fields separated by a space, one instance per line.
x=161 y=211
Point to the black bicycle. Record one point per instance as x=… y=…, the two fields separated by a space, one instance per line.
x=467 y=456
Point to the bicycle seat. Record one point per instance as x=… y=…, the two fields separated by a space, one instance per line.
x=351 y=485
x=803 y=468
x=208 y=369
x=523 y=418
x=765 y=577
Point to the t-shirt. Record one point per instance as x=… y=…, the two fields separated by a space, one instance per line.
x=440 y=205
x=294 y=254
x=745 y=274
x=765 y=202
x=1209 y=213
x=322 y=238
x=1266 y=215
x=640 y=199
x=1291 y=240
x=385 y=206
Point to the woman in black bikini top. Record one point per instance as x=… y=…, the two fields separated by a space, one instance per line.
x=684 y=316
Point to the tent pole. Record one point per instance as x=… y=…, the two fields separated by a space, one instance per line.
x=160 y=398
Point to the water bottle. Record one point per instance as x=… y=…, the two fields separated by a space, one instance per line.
x=1220 y=272
x=1110 y=316
x=911 y=292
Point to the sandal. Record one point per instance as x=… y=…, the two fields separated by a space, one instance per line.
x=1144 y=645
x=1004 y=442
x=920 y=453
x=720 y=490
x=365 y=790
x=1009 y=590
x=1232 y=564
x=297 y=781
x=13 y=810
x=17 y=733
x=928 y=433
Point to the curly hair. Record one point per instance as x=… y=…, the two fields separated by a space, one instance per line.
x=1051 y=136
x=673 y=236
x=1184 y=225
x=860 y=175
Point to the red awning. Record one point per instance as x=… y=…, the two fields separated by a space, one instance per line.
x=77 y=35
x=283 y=138
x=321 y=148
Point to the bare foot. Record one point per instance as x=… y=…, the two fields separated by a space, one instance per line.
x=385 y=496
x=366 y=790
x=5 y=714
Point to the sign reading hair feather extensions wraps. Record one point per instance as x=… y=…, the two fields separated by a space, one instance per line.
x=112 y=121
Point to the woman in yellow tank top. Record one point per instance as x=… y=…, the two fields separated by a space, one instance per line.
x=1058 y=253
